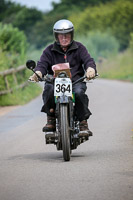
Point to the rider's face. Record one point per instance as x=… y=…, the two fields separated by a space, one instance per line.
x=64 y=39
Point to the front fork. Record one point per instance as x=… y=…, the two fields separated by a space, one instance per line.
x=64 y=100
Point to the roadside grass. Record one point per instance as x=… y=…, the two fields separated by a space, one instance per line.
x=119 y=67
x=26 y=94
x=21 y=96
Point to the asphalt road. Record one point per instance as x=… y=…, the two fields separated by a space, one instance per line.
x=100 y=169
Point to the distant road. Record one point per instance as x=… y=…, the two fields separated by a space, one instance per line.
x=100 y=169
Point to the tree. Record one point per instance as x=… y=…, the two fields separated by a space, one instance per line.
x=21 y=17
x=116 y=18
x=78 y=3
x=12 y=40
x=121 y=21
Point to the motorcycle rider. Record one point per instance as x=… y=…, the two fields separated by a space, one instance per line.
x=65 y=49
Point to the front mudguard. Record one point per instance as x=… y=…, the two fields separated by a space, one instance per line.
x=66 y=100
x=62 y=99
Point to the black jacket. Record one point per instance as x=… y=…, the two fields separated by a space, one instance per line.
x=77 y=56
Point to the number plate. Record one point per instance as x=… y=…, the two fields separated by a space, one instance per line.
x=63 y=86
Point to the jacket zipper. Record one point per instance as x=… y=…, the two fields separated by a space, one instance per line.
x=65 y=57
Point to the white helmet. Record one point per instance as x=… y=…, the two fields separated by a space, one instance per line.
x=63 y=26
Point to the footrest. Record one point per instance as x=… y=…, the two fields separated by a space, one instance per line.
x=50 y=137
x=49 y=134
x=85 y=134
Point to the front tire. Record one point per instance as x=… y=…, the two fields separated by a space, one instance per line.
x=65 y=132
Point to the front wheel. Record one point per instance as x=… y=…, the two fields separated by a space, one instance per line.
x=65 y=132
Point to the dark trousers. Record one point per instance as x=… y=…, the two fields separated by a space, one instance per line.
x=81 y=100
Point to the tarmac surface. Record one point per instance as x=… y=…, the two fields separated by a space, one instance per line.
x=99 y=169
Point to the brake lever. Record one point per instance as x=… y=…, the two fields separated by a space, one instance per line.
x=31 y=81
x=88 y=80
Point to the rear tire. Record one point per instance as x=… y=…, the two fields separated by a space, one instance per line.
x=65 y=132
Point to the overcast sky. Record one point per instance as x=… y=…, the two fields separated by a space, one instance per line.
x=43 y=5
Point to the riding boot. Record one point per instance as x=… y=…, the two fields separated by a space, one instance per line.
x=84 y=130
x=51 y=124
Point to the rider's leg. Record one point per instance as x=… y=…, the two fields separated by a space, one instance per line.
x=81 y=106
x=49 y=107
x=48 y=99
x=81 y=101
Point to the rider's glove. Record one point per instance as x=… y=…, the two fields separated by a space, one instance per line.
x=34 y=76
x=90 y=73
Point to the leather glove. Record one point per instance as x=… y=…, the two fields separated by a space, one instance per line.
x=34 y=76
x=90 y=73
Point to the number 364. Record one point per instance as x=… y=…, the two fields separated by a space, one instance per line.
x=63 y=88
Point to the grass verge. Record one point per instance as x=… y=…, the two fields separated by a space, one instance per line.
x=21 y=96
x=119 y=67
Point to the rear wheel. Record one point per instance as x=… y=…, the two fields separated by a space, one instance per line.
x=65 y=132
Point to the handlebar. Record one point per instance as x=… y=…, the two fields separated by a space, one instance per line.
x=49 y=78
x=84 y=77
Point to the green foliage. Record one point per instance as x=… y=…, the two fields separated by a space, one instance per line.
x=88 y=15
x=21 y=17
x=9 y=60
x=3 y=60
x=131 y=42
x=100 y=44
x=77 y=3
x=119 y=67
x=21 y=96
x=34 y=53
x=116 y=17
x=121 y=21
x=12 y=40
x=13 y=47
x=26 y=20
x=6 y=9
x=36 y=25
x=43 y=32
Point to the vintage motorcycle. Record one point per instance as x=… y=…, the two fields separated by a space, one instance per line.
x=66 y=137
